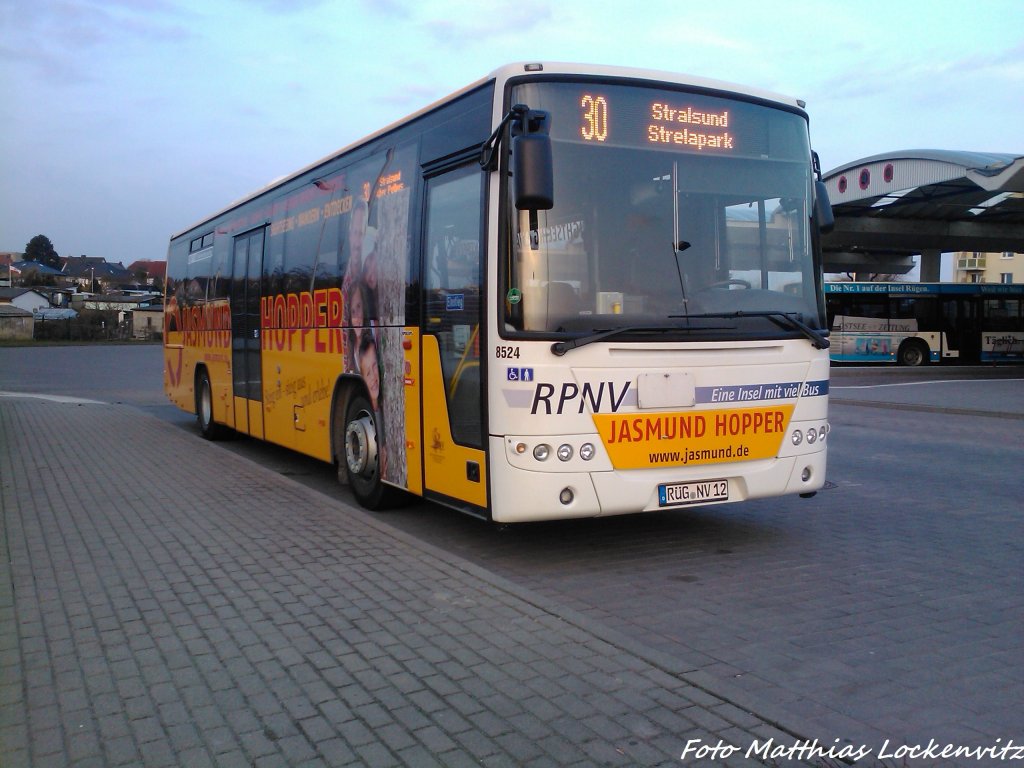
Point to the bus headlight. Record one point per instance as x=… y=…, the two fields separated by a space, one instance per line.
x=587 y=451
x=541 y=452
x=564 y=452
x=797 y=437
x=812 y=436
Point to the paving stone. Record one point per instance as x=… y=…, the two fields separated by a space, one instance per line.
x=188 y=625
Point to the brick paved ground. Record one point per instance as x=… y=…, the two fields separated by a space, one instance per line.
x=164 y=602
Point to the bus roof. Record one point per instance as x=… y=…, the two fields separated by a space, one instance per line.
x=601 y=70
x=500 y=76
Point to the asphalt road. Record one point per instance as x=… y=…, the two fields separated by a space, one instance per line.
x=890 y=606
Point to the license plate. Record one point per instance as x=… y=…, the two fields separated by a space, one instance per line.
x=677 y=494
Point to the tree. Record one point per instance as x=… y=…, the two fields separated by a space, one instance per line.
x=41 y=251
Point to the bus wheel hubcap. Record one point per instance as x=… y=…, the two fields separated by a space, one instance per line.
x=361 y=446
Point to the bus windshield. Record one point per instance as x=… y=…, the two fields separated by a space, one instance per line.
x=673 y=209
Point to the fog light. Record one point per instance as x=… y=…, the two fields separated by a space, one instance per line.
x=812 y=436
x=587 y=451
x=564 y=452
x=566 y=496
x=541 y=452
x=806 y=474
x=797 y=438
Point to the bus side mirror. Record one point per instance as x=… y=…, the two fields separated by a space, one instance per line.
x=823 y=208
x=533 y=180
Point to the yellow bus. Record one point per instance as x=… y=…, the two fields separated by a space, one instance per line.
x=562 y=291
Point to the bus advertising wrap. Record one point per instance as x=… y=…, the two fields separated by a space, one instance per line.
x=640 y=440
x=743 y=422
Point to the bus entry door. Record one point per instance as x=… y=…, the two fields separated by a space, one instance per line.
x=454 y=461
x=246 y=371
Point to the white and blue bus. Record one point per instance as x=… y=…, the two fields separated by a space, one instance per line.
x=920 y=323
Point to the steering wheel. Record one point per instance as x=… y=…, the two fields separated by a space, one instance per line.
x=731 y=281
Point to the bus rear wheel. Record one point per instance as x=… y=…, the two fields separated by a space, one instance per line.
x=912 y=353
x=208 y=428
x=361 y=458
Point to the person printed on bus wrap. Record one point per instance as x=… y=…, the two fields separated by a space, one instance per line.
x=369 y=274
x=359 y=285
x=362 y=250
x=354 y=266
x=356 y=235
x=369 y=368
x=360 y=309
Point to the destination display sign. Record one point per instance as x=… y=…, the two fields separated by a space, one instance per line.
x=613 y=115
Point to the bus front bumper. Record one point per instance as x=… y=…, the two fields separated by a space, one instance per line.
x=523 y=495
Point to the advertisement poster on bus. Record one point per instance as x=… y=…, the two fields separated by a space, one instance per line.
x=869 y=338
x=1002 y=345
x=337 y=261
x=373 y=290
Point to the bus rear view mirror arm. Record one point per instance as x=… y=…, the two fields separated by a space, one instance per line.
x=823 y=208
x=532 y=166
x=822 y=205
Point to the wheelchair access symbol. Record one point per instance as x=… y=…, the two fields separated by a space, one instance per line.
x=519 y=374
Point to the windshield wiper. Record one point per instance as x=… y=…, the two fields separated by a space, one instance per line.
x=559 y=348
x=783 y=319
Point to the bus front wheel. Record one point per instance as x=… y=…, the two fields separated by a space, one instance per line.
x=362 y=457
x=912 y=353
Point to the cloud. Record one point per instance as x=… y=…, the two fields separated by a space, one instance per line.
x=466 y=27
x=288 y=7
x=56 y=39
x=408 y=97
x=397 y=9
x=684 y=33
x=1007 y=65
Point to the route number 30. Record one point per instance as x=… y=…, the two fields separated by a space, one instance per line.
x=595 y=118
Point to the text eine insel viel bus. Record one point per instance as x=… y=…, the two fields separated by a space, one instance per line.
x=563 y=291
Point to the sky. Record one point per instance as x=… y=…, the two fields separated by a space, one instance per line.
x=123 y=122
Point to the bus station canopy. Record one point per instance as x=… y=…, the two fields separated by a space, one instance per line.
x=890 y=207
